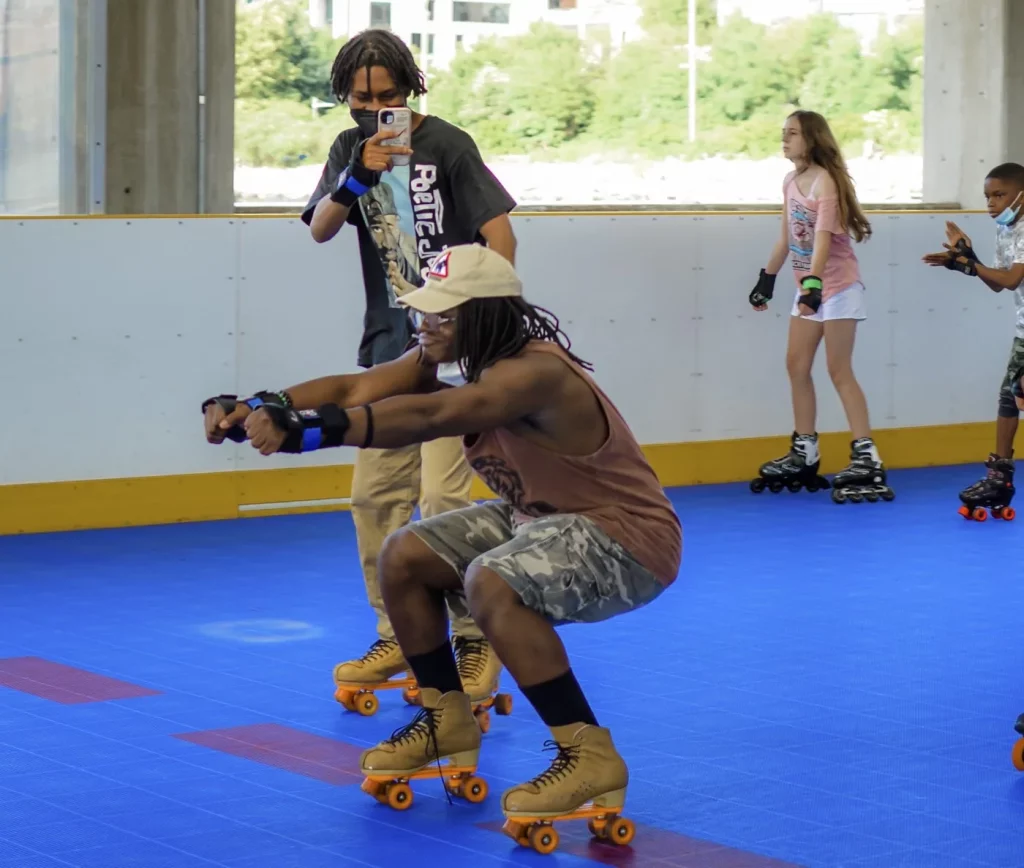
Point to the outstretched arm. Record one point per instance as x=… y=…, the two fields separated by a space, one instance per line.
x=511 y=390
x=406 y=375
x=409 y=374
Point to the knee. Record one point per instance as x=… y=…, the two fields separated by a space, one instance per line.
x=798 y=366
x=397 y=562
x=488 y=596
x=841 y=373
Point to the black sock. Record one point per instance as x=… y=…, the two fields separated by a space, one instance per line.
x=437 y=669
x=560 y=701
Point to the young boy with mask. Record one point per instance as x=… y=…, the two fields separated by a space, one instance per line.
x=404 y=217
x=1004 y=193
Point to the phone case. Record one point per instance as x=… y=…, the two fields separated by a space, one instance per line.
x=397 y=119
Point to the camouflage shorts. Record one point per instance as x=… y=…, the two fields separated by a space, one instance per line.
x=1014 y=370
x=562 y=566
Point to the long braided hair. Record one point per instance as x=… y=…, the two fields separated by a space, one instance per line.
x=490 y=329
x=376 y=47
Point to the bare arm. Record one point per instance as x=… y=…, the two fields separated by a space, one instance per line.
x=506 y=393
x=404 y=376
x=781 y=249
x=997 y=279
x=499 y=236
x=822 y=247
x=328 y=218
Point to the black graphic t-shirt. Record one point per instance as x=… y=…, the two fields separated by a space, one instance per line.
x=440 y=199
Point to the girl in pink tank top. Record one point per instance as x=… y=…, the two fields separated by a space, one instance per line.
x=821 y=221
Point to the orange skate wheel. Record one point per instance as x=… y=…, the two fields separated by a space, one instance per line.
x=1018 y=755
x=411 y=695
x=543 y=838
x=1009 y=513
x=503 y=704
x=366 y=704
x=399 y=796
x=620 y=831
x=965 y=512
x=979 y=514
x=474 y=790
x=372 y=787
x=483 y=720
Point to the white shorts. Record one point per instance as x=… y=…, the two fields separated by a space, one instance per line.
x=846 y=304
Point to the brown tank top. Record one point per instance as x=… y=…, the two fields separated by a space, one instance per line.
x=614 y=487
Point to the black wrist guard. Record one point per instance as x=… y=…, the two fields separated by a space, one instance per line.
x=812 y=297
x=963 y=259
x=227 y=403
x=309 y=430
x=280 y=399
x=765 y=289
x=355 y=180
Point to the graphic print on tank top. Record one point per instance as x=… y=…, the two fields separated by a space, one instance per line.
x=506 y=482
x=801 y=235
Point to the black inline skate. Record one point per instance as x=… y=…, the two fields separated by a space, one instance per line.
x=797 y=469
x=995 y=492
x=1018 y=747
x=864 y=478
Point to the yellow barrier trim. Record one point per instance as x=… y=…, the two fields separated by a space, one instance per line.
x=107 y=503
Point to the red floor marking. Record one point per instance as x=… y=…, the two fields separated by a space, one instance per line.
x=64 y=684
x=657 y=848
x=314 y=756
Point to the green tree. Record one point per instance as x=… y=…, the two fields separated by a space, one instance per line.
x=521 y=93
x=643 y=96
x=657 y=16
x=279 y=55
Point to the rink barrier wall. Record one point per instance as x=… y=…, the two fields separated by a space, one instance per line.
x=114 y=330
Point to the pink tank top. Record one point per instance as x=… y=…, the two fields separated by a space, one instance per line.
x=807 y=215
x=615 y=487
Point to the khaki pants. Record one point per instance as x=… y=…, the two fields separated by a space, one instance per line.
x=387 y=484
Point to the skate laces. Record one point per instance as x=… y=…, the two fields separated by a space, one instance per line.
x=563 y=763
x=379 y=649
x=423 y=725
x=470 y=657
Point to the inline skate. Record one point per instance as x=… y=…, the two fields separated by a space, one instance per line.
x=994 y=492
x=797 y=469
x=864 y=478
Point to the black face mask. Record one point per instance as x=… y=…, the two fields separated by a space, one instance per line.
x=366 y=120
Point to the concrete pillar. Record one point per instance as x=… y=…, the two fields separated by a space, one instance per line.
x=973 y=100
x=166 y=152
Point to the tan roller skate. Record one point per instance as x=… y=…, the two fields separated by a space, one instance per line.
x=586 y=781
x=356 y=680
x=479 y=668
x=441 y=741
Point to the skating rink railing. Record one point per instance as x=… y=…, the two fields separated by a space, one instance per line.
x=113 y=330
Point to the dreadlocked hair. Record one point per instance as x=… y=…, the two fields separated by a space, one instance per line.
x=488 y=330
x=376 y=48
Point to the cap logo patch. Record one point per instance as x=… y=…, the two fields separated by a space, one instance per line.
x=439 y=267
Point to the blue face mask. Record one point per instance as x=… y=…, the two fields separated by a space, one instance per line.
x=1010 y=214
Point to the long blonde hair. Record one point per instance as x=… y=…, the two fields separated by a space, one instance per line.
x=823 y=150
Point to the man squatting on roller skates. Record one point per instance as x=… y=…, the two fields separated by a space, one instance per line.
x=583 y=532
x=1004 y=195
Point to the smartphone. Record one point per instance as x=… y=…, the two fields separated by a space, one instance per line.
x=400 y=120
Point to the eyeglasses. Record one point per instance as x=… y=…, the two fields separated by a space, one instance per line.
x=433 y=320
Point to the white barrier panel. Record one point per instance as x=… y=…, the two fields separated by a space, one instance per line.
x=113 y=331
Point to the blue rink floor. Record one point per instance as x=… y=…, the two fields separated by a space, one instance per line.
x=824 y=686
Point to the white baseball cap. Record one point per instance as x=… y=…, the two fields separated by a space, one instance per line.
x=462 y=273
